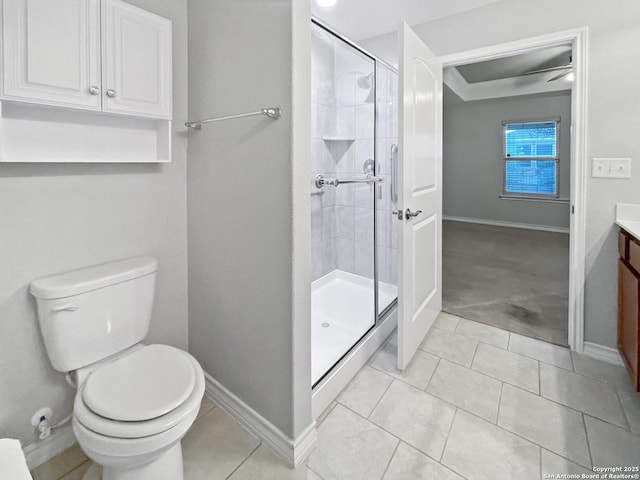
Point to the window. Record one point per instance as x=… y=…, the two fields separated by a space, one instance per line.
x=531 y=163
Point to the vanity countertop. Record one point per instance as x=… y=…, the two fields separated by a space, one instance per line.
x=628 y=217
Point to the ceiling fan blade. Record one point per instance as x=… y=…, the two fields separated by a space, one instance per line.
x=561 y=75
x=550 y=69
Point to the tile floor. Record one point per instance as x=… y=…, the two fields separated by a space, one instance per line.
x=476 y=402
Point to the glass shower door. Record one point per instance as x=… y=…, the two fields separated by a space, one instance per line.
x=344 y=182
x=387 y=198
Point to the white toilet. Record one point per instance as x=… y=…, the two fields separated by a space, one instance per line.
x=135 y=402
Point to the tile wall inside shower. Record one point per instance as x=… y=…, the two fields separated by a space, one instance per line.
x=343 y=123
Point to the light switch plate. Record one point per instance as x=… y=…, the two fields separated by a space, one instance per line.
x=611 y=168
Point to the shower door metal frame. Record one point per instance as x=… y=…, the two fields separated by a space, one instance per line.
x=378 y=315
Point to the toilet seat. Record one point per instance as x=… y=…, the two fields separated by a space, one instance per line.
x=143 y=385
x=120 y=428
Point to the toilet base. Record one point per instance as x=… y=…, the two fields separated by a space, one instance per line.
x=168 y=466
x=93 y=473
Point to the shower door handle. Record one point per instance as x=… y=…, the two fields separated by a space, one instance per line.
x=394 y=173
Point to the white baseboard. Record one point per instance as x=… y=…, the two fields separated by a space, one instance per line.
x=498 y=223
x=304 y=445
x=44 y=450
x=600 y=352
x=295 y=452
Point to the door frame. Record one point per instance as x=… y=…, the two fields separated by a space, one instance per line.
x=577 y=226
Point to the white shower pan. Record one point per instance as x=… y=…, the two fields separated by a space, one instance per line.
x=341 y=313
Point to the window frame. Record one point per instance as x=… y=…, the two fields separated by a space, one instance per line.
x=505 y=158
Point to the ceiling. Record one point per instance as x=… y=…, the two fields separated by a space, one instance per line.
x=516 y=65
x=361 y=19
x=503 y=77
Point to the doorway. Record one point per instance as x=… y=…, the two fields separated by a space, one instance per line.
x=506 y=226
x=574 y=278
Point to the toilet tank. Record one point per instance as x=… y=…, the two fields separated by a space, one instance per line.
x=89 y=314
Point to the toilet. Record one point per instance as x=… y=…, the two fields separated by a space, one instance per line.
x=134 y=402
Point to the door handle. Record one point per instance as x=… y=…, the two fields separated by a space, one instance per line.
x=409 y=213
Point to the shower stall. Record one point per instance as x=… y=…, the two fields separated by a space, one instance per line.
x=353 y=193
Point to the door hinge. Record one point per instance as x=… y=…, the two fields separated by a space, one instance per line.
x=573 y=209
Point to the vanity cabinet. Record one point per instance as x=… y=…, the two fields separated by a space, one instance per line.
x=99 y=55
x=629 y=304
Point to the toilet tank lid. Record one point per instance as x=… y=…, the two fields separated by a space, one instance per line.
x=92 y=278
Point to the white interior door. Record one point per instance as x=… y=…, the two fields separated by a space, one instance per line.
x=420 y=193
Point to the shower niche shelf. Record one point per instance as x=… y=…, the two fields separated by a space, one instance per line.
x=338 y=138
x=44 y=134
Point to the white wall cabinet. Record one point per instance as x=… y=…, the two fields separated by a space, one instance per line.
x=106 y=62
x=51 y=52
x=61 y=53
x=136 y=52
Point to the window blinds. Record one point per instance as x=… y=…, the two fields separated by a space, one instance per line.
x=531 y=164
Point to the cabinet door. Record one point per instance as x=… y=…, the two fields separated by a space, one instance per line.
x=51 y=52
x=136 y=48
x=628 y=319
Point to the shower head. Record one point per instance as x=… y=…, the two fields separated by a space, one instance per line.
x=365 y=81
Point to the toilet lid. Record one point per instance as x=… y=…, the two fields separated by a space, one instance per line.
x=145 y=384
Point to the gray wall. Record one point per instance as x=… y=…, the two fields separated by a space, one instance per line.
x=472 y=156
x=613 y=122
x=248 y=197
x=56 y=217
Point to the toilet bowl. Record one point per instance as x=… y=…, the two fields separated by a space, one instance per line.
x=134 y=402
x=142 y=413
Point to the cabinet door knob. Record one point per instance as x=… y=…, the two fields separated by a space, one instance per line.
x=93 y=90
x=111 y=93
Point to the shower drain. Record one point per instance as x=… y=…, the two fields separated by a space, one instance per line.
x=325 y=324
